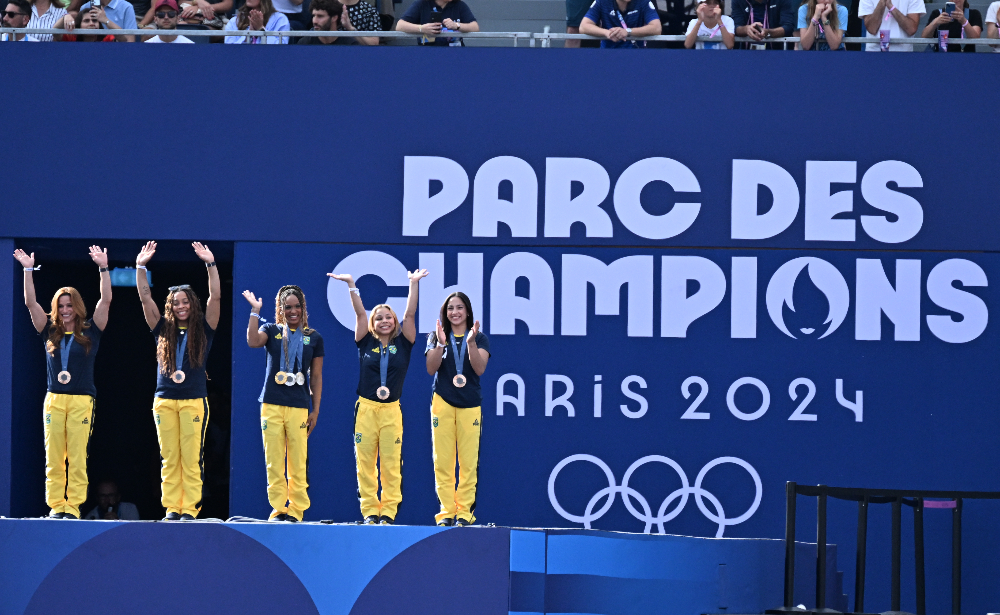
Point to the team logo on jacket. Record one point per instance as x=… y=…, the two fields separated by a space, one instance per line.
x=302 y=426
x=277 y=337
x=263 y=425
x=86 y=421
x=197 y=419
x=305 y=340
x=397 y=440
x=434 y=422
x=392 y=349
x=357 y=438
x=157 y=418
x=48 y=419
x=475 y=423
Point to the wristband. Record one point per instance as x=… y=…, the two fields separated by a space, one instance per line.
x=102 y=269
x=33 y=268
x=143 y=267
x=258 y=317
x=209 y=265
x=355 y=291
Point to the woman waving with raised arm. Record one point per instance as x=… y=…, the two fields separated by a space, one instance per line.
x=293 y=380
x=184 y=335
x=71 y=343
x=457 y=354
x=384 y=346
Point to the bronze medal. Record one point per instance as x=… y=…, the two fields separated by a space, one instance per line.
x=178 y=377
x=64 y=377
x=382 y=393
x=458 y=380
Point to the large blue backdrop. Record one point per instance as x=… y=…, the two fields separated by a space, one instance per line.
x=705 y=274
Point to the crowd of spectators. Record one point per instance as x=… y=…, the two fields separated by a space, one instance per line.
x=821 y=25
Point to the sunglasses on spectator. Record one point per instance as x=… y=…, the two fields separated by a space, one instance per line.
x=166 y=14
x=181 y=287
x=12 y=14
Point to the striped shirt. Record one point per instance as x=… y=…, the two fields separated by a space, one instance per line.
x=45 y=20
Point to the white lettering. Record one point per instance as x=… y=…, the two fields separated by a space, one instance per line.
x=536 y=310
x=562 y=211
x=908 y=210
x=821 y=206
x=629 y=207
x=578 y=271
x=360 y=264
x=875 y=295
x=743 y=298
x=419 y=208
x=561 y=401
x=677 y=310
x=941 y=290
x=746 y=223
x=627 y=392
x=502 y=398
x=433 y=290
x=520 y=214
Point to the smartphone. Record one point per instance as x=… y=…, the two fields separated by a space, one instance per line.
x=438 y=17
x=949 y=7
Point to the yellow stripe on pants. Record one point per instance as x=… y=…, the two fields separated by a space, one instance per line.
x=180 y=430
x=68 y=423
x=455 y=429
x=285 y=437
x=378 y=436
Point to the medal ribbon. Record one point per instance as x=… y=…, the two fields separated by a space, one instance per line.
x=621 y=20
x=66 y=344
x=383 y=362
x=459 y=354
x=293 y=343
x=181 y=348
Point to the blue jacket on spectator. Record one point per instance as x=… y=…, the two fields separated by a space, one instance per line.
x=780 y=13
x=118 y=11
x=637 y=13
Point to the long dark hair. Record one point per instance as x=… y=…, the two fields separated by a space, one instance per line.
x=166 y=348
x=243 y=14
x=469 y=320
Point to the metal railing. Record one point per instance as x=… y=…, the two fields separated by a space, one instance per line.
x=864 y=497
x=515 y=37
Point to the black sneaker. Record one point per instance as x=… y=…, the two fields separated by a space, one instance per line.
x=447 y=522
x=279 y=518
x=55 y=515
x=462 y=522
x=67 y=515
x=371 y=520
x=383 y=520
x=172 y=516
x=187 y=517
x=290 y=519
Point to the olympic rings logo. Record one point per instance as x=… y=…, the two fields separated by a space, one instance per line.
x=662 y=515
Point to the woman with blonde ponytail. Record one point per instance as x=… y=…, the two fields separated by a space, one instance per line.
x=293 y=381
x=71 y=342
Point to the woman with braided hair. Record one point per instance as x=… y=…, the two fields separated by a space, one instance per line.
x=293 y=381
x=184 y=337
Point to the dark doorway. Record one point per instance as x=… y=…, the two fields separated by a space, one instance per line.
x=123 y=446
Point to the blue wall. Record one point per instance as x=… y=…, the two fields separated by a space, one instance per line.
x=304 y=171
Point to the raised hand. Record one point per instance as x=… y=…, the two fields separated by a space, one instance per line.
x=146 y=254
x=343 y=277
x=99 y=256
x=256 y=19
x=23 y=258
x=255 y=303
x=440 y=333
x=827 y=9
x=345 y=21
x=473 y=332
x=203 y=252
x=416 y=274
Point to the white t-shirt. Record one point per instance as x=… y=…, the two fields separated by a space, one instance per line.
x=906 y=7
x=715 y=32
x=991 y=17
x=286 y=6
x=180 y=39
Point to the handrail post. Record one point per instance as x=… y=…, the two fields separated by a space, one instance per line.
x=859 y=576
x=897 y=505
x=918 y=555
x=956 y=557
x=790 y=496
x=821 y=550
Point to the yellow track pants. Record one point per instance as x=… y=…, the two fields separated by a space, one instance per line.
x=68 y=423
x=378 y=437
x=180 y=430
x=285 y=437
x=455 y=430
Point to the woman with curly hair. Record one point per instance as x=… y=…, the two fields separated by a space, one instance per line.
x=293 y=381
x=257 y=16
x=71 y=343
x=180 y=408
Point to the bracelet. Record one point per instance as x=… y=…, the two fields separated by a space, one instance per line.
x=33 y=268
x=102 y=269
x=258 y=317
x=209 y=265
x=355 y=291
x=143 y=267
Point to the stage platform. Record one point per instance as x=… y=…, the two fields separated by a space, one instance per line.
x=55 y=566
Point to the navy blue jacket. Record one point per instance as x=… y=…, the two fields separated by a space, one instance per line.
x=779 y=13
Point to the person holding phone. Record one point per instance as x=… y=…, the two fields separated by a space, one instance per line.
x=71 y=343
x=183 y=335
x=434 y=19
x=293 y=382
x=384 y=346
x=115 y=15
x=85 y=21
x=457 y=354
x=761 y=20
x=959 y=21
x=822 y=25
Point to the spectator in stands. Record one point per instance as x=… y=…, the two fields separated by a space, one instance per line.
x=257 y=15
x=616 y=20
x=167 y=13
x=962 y=23
x=327 y=15
x=822 y=25
x=992 y=30
x=759 y=20
x=109 y=504
x=900 y=17
x=434 y=18
x=44 y=15
x=115 y=14
x=16 y=15
x=87 y=20
x=575 y=10
x=360 y=16
x=711 y=23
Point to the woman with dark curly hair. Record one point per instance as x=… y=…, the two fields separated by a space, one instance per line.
x=293 y=381
x=180 y=408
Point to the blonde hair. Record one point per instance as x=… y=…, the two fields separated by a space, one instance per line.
x=834 y=18
x=371 y=320
x=57 y=329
